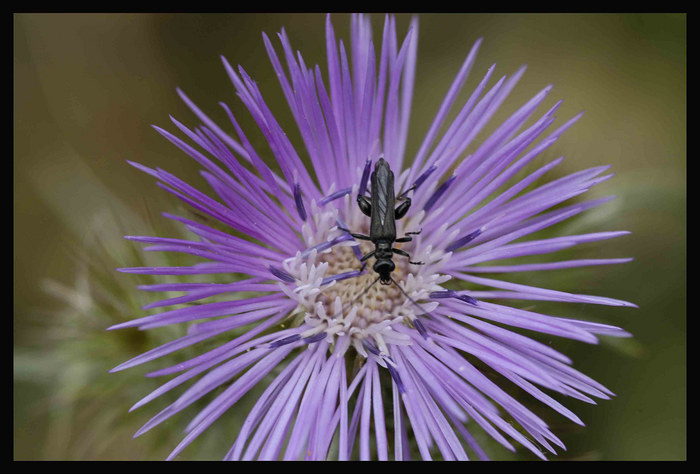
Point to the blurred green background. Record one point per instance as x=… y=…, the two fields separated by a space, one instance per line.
x=87 y=87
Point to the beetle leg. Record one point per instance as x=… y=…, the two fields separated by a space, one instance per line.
x=405 y=254
x=403 y=194
x=401 y=252
x=406 y=237
x=361 y=236
x=402 y=209
x=357 y=236
x=365 y=205
x=365 y=257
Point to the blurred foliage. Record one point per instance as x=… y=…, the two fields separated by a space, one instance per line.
x=87 y=86
x=64 y=371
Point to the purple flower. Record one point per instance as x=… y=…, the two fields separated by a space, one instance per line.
x=311 y=307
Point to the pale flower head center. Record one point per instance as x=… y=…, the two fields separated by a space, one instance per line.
x=359 y=306
x=374 y=304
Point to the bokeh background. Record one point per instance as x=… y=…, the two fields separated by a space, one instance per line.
x=87 y=87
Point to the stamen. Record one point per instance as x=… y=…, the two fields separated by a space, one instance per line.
x=281 y=274
x=300 y=204
x=464 y=240
x=443 y=294
x=334 y=196
x=423 y=177
x=421 y=329
x=343 y=227
x=365 y=176
x=315 y=338
x=468 y=299
x=453 y=294
x=390 y=361
x=285 y=340
x=397 y=379
x=438 y=194
x=370 y=347
x=341 y=276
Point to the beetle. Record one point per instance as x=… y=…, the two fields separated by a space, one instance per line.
x=382 y=231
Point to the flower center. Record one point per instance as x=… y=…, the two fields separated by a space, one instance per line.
x=375 y=302
x=337 y=300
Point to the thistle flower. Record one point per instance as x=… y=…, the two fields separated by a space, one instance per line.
x=355 y=369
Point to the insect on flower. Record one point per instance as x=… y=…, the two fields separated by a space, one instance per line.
x=383 y=226
x=360 y=370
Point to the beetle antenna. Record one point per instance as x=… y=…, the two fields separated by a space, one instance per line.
x=364 y=291
x=416 y=322
x=360 y=295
